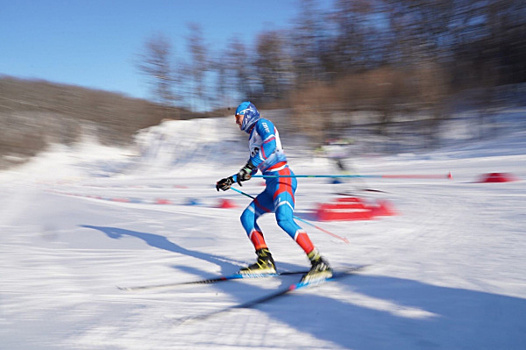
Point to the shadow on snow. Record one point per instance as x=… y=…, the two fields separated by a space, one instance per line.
x=378 y=312
x=160 y=242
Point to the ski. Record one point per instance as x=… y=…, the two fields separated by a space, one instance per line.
x=273 y=295
x=210 y=280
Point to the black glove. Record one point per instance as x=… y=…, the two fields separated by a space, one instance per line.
x=225 y=184
x=245 y=173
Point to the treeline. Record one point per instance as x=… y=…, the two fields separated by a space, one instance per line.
x=381 y=55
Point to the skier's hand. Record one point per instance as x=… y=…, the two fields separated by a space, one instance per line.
x=225 y=184
x=245 y=173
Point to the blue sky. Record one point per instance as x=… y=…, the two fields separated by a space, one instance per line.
x=95 y=43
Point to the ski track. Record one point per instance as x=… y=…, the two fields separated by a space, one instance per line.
x=447 y=272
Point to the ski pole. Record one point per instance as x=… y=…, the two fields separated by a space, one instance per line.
x=386 y=176
x=300 y=219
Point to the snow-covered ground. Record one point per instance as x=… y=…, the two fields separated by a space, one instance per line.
x=447 y=272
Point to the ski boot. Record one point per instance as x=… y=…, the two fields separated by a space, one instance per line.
x=263 y=266
x=320 y=269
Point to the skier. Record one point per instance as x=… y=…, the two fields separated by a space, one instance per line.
x=266 y=155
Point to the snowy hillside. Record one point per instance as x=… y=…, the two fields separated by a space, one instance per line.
x=447 y=272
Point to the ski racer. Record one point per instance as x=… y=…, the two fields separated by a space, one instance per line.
x=267 y=156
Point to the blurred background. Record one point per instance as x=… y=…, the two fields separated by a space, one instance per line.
x=333 y=69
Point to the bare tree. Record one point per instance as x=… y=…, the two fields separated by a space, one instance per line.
x=306 y=41
x=222 y=86
x=349 y=46
x=199 y=65
x=273 y=65
x=240 y=66
x=155 y=63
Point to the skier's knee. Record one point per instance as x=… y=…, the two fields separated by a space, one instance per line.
x=287 y=225
x=248 y=219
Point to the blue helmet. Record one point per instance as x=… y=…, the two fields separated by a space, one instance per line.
x=251 y=114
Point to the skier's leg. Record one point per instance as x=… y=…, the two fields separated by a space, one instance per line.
x=285 y=217
x=251 y=214
x=284 y=201
x=283 y=191
x=265 y=263
x=285 y=220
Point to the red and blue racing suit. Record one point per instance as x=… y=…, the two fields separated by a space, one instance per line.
x=266 y=154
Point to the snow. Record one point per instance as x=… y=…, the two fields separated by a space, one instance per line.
x=448 y=272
